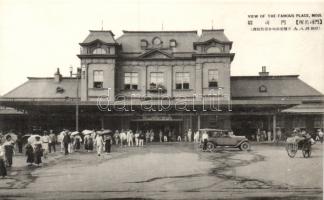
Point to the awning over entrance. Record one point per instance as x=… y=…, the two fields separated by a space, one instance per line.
x=317 y=108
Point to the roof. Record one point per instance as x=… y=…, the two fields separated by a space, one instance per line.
x=277 y=86
x=130 y=40
x=217 y=34
x=314 y=108
x=103 y=36
x=45 y=88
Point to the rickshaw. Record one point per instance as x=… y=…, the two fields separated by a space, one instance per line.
x=293 y=144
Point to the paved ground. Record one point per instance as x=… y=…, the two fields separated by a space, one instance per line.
x=170 y=171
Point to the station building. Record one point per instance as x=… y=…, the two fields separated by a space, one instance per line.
x=165 y=80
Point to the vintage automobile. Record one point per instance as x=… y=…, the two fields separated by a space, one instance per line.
x=218 y=137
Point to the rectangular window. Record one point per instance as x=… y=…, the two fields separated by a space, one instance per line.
x=156 y=79
x=212 y=78
x=131 y=81
x=98 y=79
x=182 y=80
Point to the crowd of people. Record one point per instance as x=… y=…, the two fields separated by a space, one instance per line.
x=39 y=146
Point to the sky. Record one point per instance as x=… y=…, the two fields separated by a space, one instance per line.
x=38 y=36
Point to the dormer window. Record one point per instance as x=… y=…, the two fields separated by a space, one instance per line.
x=144 y=44
x=173 y=43
x=214 y=49
x=99 y=51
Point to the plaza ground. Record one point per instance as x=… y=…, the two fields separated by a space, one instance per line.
x=170 y=171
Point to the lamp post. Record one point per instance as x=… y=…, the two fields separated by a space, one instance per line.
x=78 y=77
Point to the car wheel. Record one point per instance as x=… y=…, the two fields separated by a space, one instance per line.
x=245 y=146
x=210 y=146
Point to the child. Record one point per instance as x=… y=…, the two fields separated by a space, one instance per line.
x=3 y=170
x=30 y=154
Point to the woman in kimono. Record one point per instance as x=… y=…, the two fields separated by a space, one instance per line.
x=3 y=170
x=38 y=151
x=30 y=154
x=77 y=142
x=9 y=150
x=107 y=143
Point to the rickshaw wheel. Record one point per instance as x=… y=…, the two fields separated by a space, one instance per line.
x=307 y=150
x=291 y=149
x=210 y=146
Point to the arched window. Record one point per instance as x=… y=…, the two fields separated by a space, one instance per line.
x=99 y=51
x=214 y=49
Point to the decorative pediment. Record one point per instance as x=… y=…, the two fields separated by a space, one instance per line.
x=156 y=54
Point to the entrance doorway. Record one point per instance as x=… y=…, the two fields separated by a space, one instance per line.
x=171 y=128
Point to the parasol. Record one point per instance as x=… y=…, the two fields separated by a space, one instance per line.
x=13 y=136
x=32 y=138
x=74 y=133
x=86 y=132
x=104 y=132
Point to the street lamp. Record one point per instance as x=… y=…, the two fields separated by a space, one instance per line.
x=78 y=76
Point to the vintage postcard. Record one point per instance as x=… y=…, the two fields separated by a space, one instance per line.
x=161 y=99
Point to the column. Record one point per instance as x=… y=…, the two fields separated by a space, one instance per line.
x=198 y=121
x=274 y=126
x=102 y=120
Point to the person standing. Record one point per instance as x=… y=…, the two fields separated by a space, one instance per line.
x=205 y=140
x=99 y=144
x=45 y=145
x=9 y=150
x=147 y=136
x=137 y=138
x=130 y=138
x=38 y=149
x=108 y=141
x=3 y=169
x=77 y=142
x=151 y=135
x=116 y=137
x=196 y=137
x=53 y=140
x=189 y=135
x=122 y=137
x=19 y=142
x=160 y=135
x=66 y=141
x=141 y=139
x=320 y=135
x=30 y=154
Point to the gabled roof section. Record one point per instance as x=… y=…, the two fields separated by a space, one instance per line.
x=131 y=40
x=102 y=36
x=276 y=86
x=216 y=35
x=156 y=54
x=45 y=88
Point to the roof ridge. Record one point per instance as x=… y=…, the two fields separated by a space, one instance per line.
x=189 y=31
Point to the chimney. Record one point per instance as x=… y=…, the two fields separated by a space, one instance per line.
x=264 y=71
x=57 y=76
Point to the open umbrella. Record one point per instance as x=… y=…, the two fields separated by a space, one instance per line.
x=86 y=132
x=32 y=138
x=13 y=136
x=105 y=132
x=74 y=133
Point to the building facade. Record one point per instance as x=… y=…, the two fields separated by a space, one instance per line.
x=169 y=81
